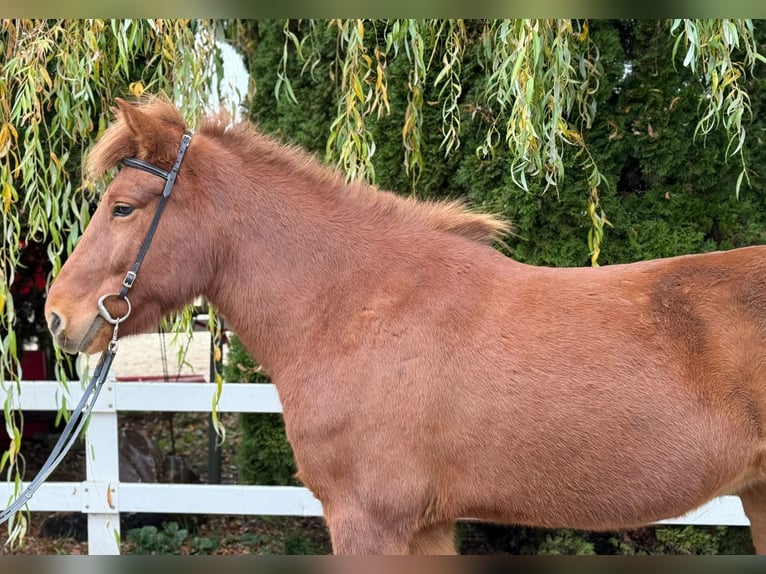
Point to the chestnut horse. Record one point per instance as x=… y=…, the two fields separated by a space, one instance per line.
x=423 y=375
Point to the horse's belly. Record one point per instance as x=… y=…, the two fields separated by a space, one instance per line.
x=587 y=480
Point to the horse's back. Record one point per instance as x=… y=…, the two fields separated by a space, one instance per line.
x=628 y=390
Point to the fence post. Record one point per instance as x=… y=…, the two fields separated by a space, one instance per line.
x=102 y=474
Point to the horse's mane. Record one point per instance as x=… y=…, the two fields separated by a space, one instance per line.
x=119 y=142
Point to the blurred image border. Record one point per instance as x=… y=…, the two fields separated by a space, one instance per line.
x=348 y=8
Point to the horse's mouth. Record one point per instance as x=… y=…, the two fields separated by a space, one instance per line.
x=84 y=344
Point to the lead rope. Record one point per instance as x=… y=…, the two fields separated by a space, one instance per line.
x=74 y=426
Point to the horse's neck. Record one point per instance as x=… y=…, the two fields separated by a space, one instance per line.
x=280 y=262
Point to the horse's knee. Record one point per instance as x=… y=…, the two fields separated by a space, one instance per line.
x=754 y=504
x=435 y=539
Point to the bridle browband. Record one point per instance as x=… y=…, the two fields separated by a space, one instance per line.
x=83 y=409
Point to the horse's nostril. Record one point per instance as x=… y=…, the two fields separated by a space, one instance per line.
x=54 y=323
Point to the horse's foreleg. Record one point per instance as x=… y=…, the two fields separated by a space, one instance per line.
x=436 y=539
x=354 y=531
x=754 y=504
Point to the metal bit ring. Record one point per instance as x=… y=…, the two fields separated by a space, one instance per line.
x=108 y=316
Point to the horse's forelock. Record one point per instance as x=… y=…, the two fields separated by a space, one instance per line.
x=114 y=145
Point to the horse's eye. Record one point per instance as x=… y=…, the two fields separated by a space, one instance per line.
x=122 y=210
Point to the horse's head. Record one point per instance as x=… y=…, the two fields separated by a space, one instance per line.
x=169 y=276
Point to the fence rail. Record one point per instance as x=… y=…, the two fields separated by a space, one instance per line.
x=103 y=497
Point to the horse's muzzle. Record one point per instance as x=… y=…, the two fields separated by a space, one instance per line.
x=69 y=339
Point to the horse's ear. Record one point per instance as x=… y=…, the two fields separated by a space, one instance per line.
x=147 y=130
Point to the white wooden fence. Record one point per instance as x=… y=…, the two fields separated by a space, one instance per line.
x=102 y=496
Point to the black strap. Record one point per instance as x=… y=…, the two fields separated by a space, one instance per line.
x=170 y=178
x=146 y=166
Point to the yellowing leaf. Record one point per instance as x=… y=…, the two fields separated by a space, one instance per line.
x=358 y=88
x=7 y=197
x=136 y=88
x=46 y=76
x=584 y=33
x=5 y=140
x=109 y=500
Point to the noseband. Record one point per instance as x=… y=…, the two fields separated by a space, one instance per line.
x=83 y=409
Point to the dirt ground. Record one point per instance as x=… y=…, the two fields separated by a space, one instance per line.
x=141 y=355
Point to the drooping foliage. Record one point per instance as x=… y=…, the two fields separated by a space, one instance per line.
x=556 y=125
x=58 y=79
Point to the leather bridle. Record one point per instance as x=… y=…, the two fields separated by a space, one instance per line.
x=170 y=179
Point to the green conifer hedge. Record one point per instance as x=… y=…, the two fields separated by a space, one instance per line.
x=668 y=193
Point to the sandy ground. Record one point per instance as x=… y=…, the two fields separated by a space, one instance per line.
x=141 y=355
